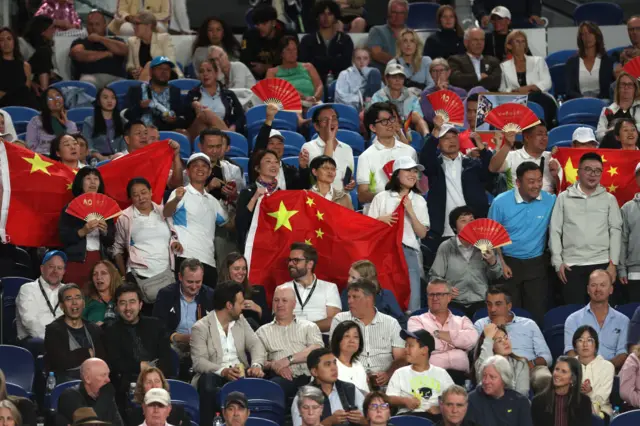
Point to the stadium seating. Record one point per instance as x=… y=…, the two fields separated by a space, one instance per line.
x=187 y=395
x=266 y=398
x=422 y=16
x=15 y=390
x=257 y=421
x=410 y=421
x=57 y=391
x=284 y=120
x=353 y=139
x=239 y=147
x=581 y=111
x=120 y=88
x=600 y=13
x=20 y=116
x=88 y=88
x=555 y=340
x=628 y=309
x=330 y=92
x=558 y=315
x=185 y=85
x=10 y=288
x=185 y=144
x=537 y=108
x=417 y=141
x=348 y=117
x=563 y=133
x=630 y=418
x=77 y=115
x=558 y=80
x=18 y=366
x=559 y=57
x=292 y=161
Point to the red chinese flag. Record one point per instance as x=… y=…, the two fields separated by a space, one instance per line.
x=35 y=189
x=341 y=236
x=618 y=172
x=153 y=162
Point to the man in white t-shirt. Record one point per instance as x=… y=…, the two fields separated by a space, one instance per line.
x=415 y=388
x=196 y=213
x=317 y=300
x=371 y=177
x=325 y=121
x=506 y=160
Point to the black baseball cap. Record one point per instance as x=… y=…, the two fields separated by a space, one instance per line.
x=236 y=398
x=422 y=336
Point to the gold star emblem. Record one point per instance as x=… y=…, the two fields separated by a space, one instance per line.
x=308 y=242
x=604 y=160
x=612 y=188
x=319 y=233
x=320 y=215
x=310 y=202
x=69 y=186
x=38 y=164
x=283 y=215
x=570 y=172
x=612 y=171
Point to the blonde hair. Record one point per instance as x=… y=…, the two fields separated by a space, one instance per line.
x=416 y=61
x=513 y=34
x=17 y=418
x=138 y=395
x=367 y=270
x=616 y=91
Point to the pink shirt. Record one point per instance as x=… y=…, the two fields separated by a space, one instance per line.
x=54 y=10
x=463 y=335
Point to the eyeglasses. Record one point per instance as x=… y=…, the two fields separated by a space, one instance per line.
x=383 y=406
x=54 y=98
x=295 y=260
x=589 y=341
x=590 y=171
x=437 y=295
x=634 y=29
x=386 y=121
x=311 y=407
x=627 y=85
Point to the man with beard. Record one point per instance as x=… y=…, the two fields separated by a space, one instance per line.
x=157 y=102
x=134 y=342
x=219 y=345
x=69 y=340
x=318 y=300
x=196 y=213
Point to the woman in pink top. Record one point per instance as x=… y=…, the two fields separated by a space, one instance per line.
x=63 y=13
x=630 y=379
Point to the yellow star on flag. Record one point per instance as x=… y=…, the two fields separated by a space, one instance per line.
x=69 y=186
x=612 y=171
x=604 y=160
x=612 y=188
x=283 y=215
x=319 y=233
x=38 y=164
x=570 y=172
x=320 y=215
x=310 y=202
x=308 y=242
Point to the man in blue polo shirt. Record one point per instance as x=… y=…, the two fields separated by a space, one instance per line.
x=610 y=324
x=525 y=212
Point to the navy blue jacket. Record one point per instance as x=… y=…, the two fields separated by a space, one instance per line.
x=475 y=174
x=135 y=112
x=167 y=306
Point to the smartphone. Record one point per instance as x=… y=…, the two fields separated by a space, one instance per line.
x=348 y=174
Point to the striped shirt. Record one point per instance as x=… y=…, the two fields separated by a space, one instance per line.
x=281 y=341
x=380 y=337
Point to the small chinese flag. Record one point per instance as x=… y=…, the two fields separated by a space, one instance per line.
x=341 y=237
x=618 y=171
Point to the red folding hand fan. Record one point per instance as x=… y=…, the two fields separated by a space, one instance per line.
x=485 y=234
x=93 y=206
x=280 y=92
x=512 y=118
x=448 y=105
x=633 y=67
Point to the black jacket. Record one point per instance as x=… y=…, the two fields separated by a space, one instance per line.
x=541 y=417
x=335 y=58
x=513 y=409
x=572 y=80
x=123 y=362
x=475 y=174
x=167 y=306
x=76 y=247
x=243 y=215
x=234 y=114
x=262 y=50
x=135 y=112
x=76 y=397
x=443 y=43
x=520 y=10
x=58 y=357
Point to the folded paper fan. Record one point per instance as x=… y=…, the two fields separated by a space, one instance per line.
x=485 y=234
x=280 y=92
x=512 y=118
x=93 y=206
x=448 y=105
x=633 y=67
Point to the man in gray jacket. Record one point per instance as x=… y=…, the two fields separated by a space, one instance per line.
x=629 y=268
x=585 y=230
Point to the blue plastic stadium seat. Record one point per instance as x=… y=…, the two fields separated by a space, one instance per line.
x=581 y=111
x=239 y=146
x=184 y=84
x=15 y=390
x=596 y=420
x=630 y=418
x=243 y=162
x=185 y=144
x=410 y=421
x=616 y=50
x=417 y=141
x=422 y=16
x=188 y=395
x=121 y=87
x=555 y=340
x=20 y=116
x=57 y=391
x=10 y=288
x=77 y=115
x=266 y=398
x=284 y=120
x=292 y=161
x=330 y=91
x=558 y=80
x=628 y=309
x=559 y=314
x=564 y=133
x=601 y=13
x=559 y=57
x=348 y=117
x=88 y=88
x=18 y=366
x=536 y=108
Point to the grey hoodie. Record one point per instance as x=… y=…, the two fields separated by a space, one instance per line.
x=630 y=247
x=585 y=230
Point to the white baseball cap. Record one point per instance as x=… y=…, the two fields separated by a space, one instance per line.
x=157 y=395
x=406 y=163
x=583 y=135
x=394 y=68
x=501 y=11
x=276 y=134
x=199 y=156
x=447 y=128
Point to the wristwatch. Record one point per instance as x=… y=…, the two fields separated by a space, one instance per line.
x=290 y=359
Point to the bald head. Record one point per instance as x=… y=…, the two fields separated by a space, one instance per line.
x=284 y=303
x=94 y=373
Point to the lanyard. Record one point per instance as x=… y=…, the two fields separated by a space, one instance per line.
x=53 y=311
x=303 y=304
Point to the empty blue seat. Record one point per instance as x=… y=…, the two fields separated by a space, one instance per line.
x=284 y=120
x=558 y=79
x=559 y=57
x=601 y=13
x=630 y=418
x=88 y=88
x=564 y=132
x=581 y=111
x=10 y=289
x=353 y=139
x=348 y=117
x=57 y=391
x=121 y=87
x=239 y=147
x=422 y=16
x=410 y=421
x=559 y=314
x=628 y=309
x=185 y=85
x=417 y=141
x=292 y=161
x=15 y=390
x=187 y=394
x=77 y=115
x=18 y=366
x=266 y=398
x=596 y=420
x=555 y=340
x=20 y=116
x=536 y=108
x=293 y=139
x=185 y=144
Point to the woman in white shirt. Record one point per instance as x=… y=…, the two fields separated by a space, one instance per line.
x=625 y=105
x=323 y=169
x=347 y=344
x=409 y=47
x=597 y=372
x=357 y=84
x=403 y=188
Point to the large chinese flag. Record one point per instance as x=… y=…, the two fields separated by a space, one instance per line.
x=618 y=173
x=341 y=236
x=35 y=189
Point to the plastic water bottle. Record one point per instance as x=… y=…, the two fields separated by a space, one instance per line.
x=51 y=382
x=218 y=421
x=330 y=78
x=616 y=411
x=132 y=390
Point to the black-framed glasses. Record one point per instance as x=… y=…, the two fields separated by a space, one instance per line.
x=386 y=121
x=591 y=171
x=437 y=295
x=296 y=260
x=383 y=406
